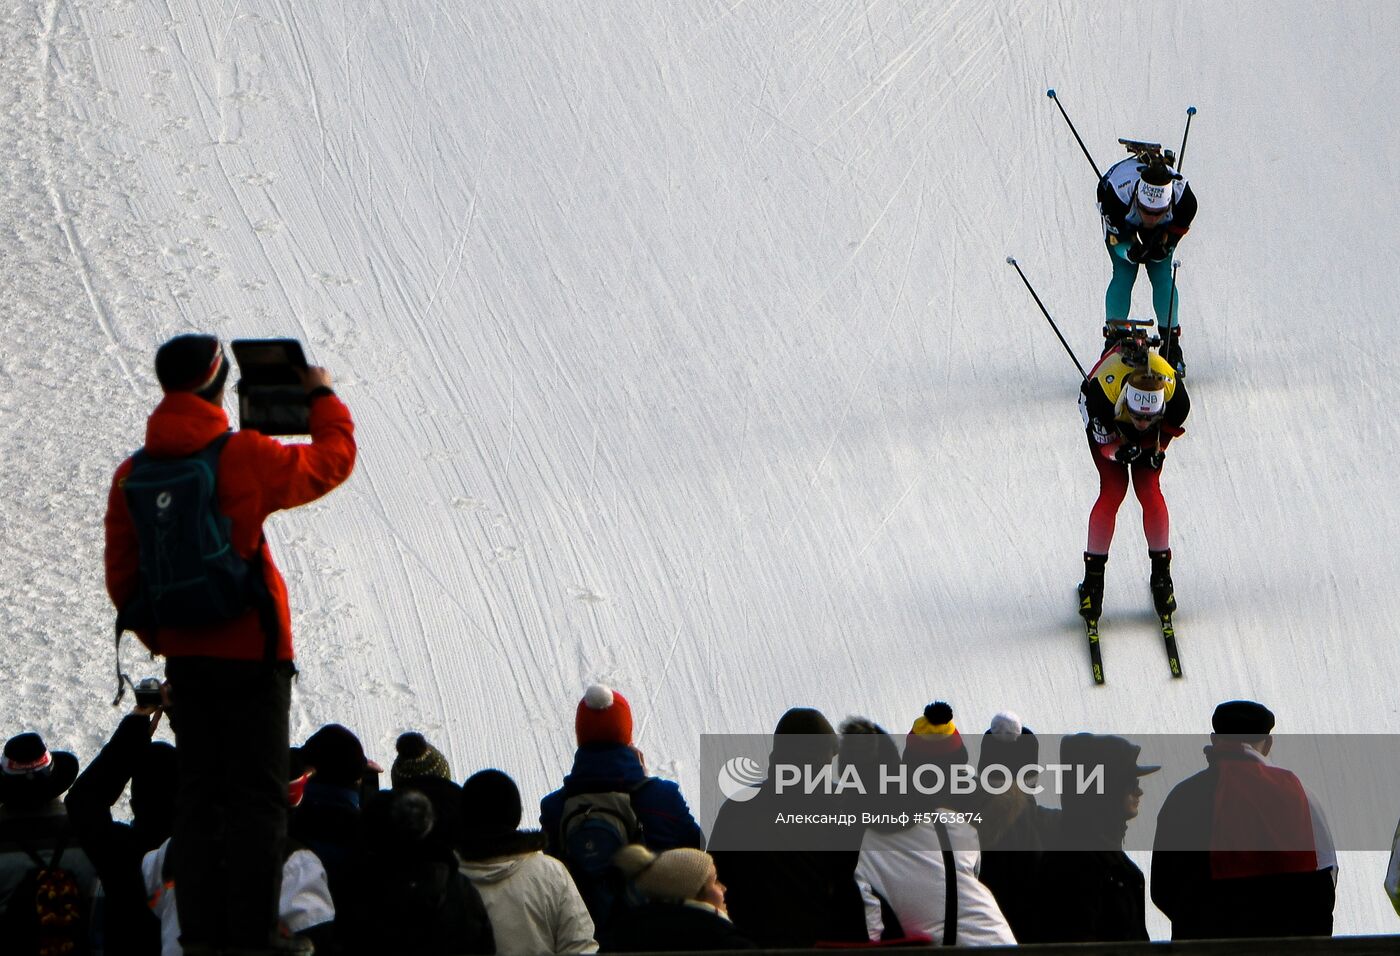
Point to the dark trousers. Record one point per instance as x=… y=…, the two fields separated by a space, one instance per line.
x=231 y=732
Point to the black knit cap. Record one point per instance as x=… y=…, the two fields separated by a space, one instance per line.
x=803 y=737
x=490 y=818
x=1243 y=718
x=490 y=804
x=192 y=363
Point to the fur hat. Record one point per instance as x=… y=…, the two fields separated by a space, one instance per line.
x=671 y=876
x=337 y=756
x=1245 y=719
x=417 y=758
x=603 y=717
x=934 y=738
x=31 y=775
x=192 y=363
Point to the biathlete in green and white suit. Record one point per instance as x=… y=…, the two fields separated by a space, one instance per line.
x=1146 y=209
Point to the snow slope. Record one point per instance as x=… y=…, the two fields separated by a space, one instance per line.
x=684 y=354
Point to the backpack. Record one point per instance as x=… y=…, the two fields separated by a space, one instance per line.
x=592 y=828
x=435 y=909
x=44 y=914
x=190 y=575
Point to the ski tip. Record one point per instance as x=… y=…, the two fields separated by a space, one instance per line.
x=1190 y=110
x=1051 y=93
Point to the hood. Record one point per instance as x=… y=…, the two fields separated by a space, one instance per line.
x=182 y=424
x=474 y=847
x=613 y=764
x=496 y=870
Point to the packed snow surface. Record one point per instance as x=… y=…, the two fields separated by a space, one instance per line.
x=685 y=357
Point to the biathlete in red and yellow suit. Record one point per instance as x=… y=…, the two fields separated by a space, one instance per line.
x=1133 y=406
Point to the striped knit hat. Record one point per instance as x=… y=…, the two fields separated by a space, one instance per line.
x=192 y=363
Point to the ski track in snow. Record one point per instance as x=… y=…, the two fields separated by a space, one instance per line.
x=684 y=356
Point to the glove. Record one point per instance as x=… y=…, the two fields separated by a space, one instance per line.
x=1137 y=252
x=1127 y=454
x=1154 y=460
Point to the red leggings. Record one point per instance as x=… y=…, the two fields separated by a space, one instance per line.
x=1113 y=487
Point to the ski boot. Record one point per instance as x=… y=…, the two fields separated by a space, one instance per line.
x=1091 y=588
x=1171 y=350
x=1163 y=596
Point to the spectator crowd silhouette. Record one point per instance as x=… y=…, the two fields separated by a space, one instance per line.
x=240 y=843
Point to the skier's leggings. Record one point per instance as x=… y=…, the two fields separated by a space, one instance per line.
x=1118 y=298
x=1113 y=487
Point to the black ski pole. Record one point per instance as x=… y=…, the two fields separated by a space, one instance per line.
x=1171 y=308
x=1181 y=153
x=1099 y=175
x=1012 y=262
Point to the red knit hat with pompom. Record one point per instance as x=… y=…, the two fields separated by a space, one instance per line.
x=603 y=717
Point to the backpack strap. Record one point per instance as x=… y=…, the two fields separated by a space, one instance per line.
x=950 y=884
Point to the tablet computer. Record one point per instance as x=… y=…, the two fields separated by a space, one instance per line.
x=271 y=397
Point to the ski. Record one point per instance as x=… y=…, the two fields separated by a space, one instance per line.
x=1169 y=638
x=1091 y=629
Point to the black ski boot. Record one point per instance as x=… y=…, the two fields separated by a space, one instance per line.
x=1163 y=596
x=1171 y=351
x=1091 y=588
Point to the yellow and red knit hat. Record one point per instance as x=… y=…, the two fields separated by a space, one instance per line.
x=934 y=736
x=603 y=717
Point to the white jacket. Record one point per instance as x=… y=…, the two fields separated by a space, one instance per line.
x=305 y=901
x=533 y=905
x=906 y=868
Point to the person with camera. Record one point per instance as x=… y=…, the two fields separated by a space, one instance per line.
x=193 y=501
x=115 y=848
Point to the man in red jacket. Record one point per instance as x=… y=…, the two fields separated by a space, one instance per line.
x=1241 y=849
x=230 y=682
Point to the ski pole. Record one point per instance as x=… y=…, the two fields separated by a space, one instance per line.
x=1181 y=153
x=1051 y=94
x=1171 y=308
x=1012 y=262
